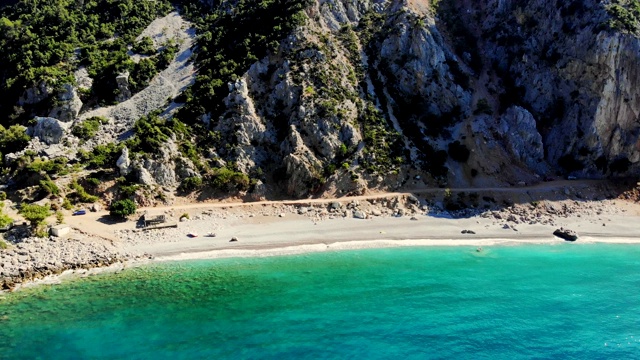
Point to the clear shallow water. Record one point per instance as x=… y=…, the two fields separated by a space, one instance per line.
x=562 y=301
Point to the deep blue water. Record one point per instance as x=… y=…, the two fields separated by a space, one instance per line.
x=568 y=301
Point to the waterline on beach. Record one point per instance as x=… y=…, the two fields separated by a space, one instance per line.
x=268 y=250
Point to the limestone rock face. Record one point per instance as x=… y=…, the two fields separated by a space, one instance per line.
x=69 y=105
x=518 y=127
x=49 y=130
x=145 y=177
x=418 y=65
x=259 y=191
x=83 y=80
x=124 y=162
x=36 y=94
x=168 y=168
x=577 y=78
x=122 y=82
x=281 y=122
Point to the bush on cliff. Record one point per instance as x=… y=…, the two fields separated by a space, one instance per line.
x=88 y=128
x=228 y=179
x=49 y=187
x=80 y=194
x=191 y=183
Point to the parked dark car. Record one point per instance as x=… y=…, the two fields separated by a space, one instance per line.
x=79 y=212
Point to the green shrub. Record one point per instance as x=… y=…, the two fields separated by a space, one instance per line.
x=122 y=208
x=66 y=204
x=329 y=170
x=128 y=190
x=5 y=220
x=447 y=193
x=13 y=139
x=3 y=196
x=41 y=231
x=59 y=217
x=191 y=183
x=483 y=107
x=142 y=73
x=3 y=245
x=49 y=187
x=229 y=180
x=87 y=129
x=81 y=194
x=185 y=215
x=55 y=166
x=101 y=156
x=342 y=150
x=151 y=132
x=144 y=46
x=35 y=214
x=625 y=15
x=93 y=181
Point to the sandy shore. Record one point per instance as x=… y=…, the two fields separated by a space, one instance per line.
x=281 y=230
x=295 y=237
x=287 y=228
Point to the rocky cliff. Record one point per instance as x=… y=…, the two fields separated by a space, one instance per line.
x=375 y=94
x=575 y=74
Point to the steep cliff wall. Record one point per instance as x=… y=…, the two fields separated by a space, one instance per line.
x=576 y=75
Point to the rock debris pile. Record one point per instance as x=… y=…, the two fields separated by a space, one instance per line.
x=35 y=258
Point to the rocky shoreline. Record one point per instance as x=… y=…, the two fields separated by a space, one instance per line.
x=32 y=258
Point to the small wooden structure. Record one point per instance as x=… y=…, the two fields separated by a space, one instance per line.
x=153 y=220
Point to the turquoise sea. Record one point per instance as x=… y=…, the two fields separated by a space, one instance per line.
x=566 y=301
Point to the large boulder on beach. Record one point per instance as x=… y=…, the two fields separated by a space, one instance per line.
x=566 y=234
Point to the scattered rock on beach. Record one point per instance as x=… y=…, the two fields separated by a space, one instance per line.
x=470 y=232
x=233 y=239
x=566 y=234
x=359 y=214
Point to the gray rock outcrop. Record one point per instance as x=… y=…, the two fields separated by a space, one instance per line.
x=518 y=127
x=122 y=81
x=49 y=130
x=36 y=94
x=576 y=76
x=167 y=168
x=124 y=162
x=69 y=104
